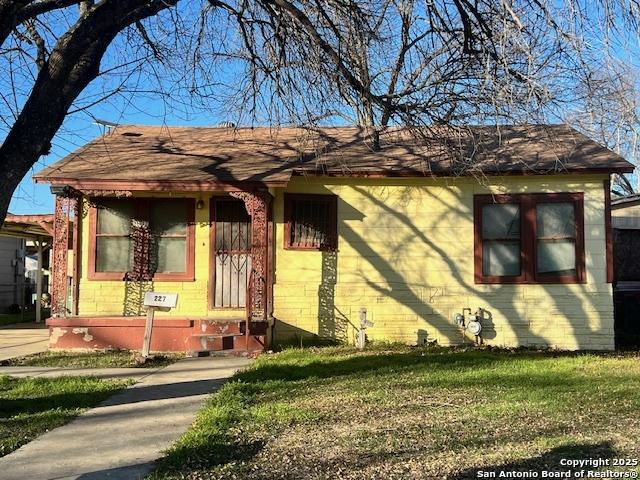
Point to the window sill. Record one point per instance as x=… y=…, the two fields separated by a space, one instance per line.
x=117 y=276
x=522 y=281
x=311 y=249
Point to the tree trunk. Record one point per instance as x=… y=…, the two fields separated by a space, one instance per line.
x=72 y=65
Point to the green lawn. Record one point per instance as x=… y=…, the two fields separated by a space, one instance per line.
x=108 y=359
x=32 y=406
x=29 y=316
x=400 y=413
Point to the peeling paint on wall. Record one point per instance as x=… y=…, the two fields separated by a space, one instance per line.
x=55 y=335
x=86 y=337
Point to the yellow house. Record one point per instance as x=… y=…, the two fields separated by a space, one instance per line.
x=492 y=235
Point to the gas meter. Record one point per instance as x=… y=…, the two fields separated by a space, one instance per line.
x=474 y=327
x=474 y=323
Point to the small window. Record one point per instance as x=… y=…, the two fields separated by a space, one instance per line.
x=556 y=239
x=170 y=243
x=310 y=222
x=501 y=240
x=114 y=246
x=168 y=223
x=529 y=238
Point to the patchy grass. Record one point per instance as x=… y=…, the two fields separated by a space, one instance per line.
x=30 y=407
x=108 y=359
x=396 y=413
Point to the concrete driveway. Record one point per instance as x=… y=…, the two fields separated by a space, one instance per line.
x=23 y=339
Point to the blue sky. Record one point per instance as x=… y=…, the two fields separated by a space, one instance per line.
x=31 y=197
x=145 y=108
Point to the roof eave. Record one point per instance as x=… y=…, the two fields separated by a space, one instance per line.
x=161 y=185
x=416 y=173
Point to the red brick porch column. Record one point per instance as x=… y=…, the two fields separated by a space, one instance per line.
x=257 y=205
x=65 y=207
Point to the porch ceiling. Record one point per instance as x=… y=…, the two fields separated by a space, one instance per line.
x=28 y=226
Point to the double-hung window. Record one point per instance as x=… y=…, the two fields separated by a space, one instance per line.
x=169 y=242
x=529 y=238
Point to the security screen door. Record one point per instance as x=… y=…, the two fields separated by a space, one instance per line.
x=232 y=247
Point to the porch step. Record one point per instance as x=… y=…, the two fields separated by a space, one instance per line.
x=229 y=327
x=225 y=342
x=218 y=335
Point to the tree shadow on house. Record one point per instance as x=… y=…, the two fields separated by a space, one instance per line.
x=332 y=322
x=134 y=291
x=509 y=304
x=548 y=461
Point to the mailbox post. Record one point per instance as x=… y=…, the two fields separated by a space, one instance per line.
x=155 y=301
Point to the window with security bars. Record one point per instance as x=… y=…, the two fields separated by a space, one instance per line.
x=232 y=251
x=310 y=222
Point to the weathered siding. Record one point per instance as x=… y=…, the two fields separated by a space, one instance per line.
x=625 y=216
x=405 y=252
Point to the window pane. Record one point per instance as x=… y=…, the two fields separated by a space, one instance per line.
x=113 y=254
x=501 y=221
x=555 y=220
x=310 y=223
x=556 y=257
x=501 y=258
x=114 y=217
x=171 y=255
x=169 y=217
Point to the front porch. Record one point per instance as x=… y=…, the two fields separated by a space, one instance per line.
x=195 y=336
x=217 y=259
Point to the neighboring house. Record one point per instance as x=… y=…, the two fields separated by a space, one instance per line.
x=12 y=280
x=298 y=230
x=34 y=233
x=625 y=220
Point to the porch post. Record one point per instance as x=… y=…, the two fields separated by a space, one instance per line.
x=257 y=205
x=63 y=209
x=39 y=282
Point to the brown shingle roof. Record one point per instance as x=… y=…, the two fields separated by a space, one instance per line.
x=272 y=155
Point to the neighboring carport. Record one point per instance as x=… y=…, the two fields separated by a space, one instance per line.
x=39 y=229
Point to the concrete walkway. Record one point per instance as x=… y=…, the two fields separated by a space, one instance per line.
x=121 y=438
x=136 y=374
x=22 y=339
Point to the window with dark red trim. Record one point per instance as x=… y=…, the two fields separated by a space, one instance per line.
x=311 y=222
x=529 y=238
x=170 y=242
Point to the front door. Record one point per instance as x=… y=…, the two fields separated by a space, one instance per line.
x=232 y=248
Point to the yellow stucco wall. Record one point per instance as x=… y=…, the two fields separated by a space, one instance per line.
x=405 y=252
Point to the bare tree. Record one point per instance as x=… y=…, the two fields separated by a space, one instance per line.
x=457 y=63
x=380 y=62
x=607 y=110
x=67 y=41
